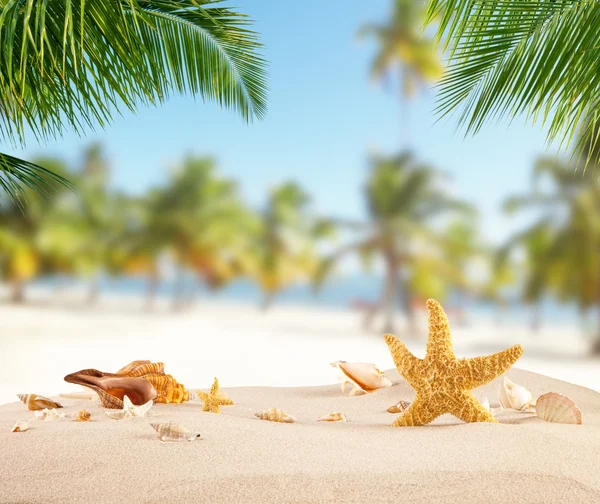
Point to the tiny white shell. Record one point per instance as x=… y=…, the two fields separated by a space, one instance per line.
x=49 y=414
x=20 y=426
x=514 y=396
x=171 y=432
x=557 y=408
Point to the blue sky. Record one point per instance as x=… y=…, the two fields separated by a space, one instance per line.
x=325 y=115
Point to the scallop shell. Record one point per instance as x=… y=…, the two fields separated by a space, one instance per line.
x=275 y=415
x=558 y=408
x=399 y=407
x=20 y=427
x=83 y=416
x=49 y=414
x=36 y=402
x=338 y=416
x=363 y=376
x=514 y=396
x=170 y=431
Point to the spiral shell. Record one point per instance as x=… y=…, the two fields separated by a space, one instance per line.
x=275 y=415
x=168 y=389
x=36 y=402
x=170 y=431
x=399 y=407
x=338 y=416
x=558 y=408
x=83 y=416
x=142 y=368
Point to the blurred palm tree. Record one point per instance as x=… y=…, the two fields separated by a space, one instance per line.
x=285 y=245
x=23 y=254
x=75 y=65
x=200 y=219
x=403 y=44
x=563 y=246
x=403 y=199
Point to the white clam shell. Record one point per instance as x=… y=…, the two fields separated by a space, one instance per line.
x=514 y=396
x=557 y=408
x=20 y=426
x=172 y=432
x=364 y=377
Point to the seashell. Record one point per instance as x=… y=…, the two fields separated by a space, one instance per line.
x=399 y=407
x=129 y=410
x=363 y=376
x=83 y=416
x=112 y=388
x=338 y=416
x=275 y=415
x=36 y=402
x=486 y=404
x=140 y=380
x=49 y=415
x=170 y=431
x=514 y=396
x=558 y=408
x=20 y=427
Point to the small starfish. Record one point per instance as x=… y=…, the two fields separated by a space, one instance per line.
x=443 y=382
x=213 y=399
x=129 y=410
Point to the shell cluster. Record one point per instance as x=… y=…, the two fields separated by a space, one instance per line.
x=557 y=408
x=362 y=376
x=49 y=414
x=36 y=402
x=338 y=416
x=171 y=432
x=83 y=416
x=275 y=415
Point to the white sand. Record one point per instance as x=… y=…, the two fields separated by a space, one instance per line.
x=241 y=459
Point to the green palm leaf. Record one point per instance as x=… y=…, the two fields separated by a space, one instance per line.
x=538 y=58
x=75 y=64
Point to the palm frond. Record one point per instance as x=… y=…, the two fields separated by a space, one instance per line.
x=532 y=57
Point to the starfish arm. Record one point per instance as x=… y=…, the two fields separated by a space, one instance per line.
x=214 y=390
x=404 y=360
x=439 y=342
x=478 y=371
x=418 y=413
x=225 y=401
x=469 y=409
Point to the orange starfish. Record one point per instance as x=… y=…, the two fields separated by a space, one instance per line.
x=443 y=382
x=213 y=399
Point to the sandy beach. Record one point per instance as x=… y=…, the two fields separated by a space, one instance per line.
x=246 y=460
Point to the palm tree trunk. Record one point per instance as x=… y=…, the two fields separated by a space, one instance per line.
x=595 y=350
x=407 y=306
x=390 y=293
x=151 y=288
x=18 y=291
x=178 y=290
x=267 y=301
x=94 y=290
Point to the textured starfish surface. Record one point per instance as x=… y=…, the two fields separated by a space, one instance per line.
x=442 y=382
x=213 y=399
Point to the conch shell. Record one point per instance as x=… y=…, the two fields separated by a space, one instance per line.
x=399 y=407
x=338 y=416
x=275 y=415
x=83 y=416
x=363 y=376
x=20 y=427
x=557 y=408
x=140 y=380
x=172 y=432
x=514 y=396
x=36 y=402
x=49 y=414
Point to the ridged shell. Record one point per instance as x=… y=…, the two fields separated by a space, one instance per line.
x=168 y=389
x=142 y=368
x=364 y=376
x=558 y=408
x=170 y=431
x=20 y=426
x=338 y=416
x=275 y=415
x=399 y=407
x=83 y=416
x=49 y=415
x=36 y=402
x=514 y=396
